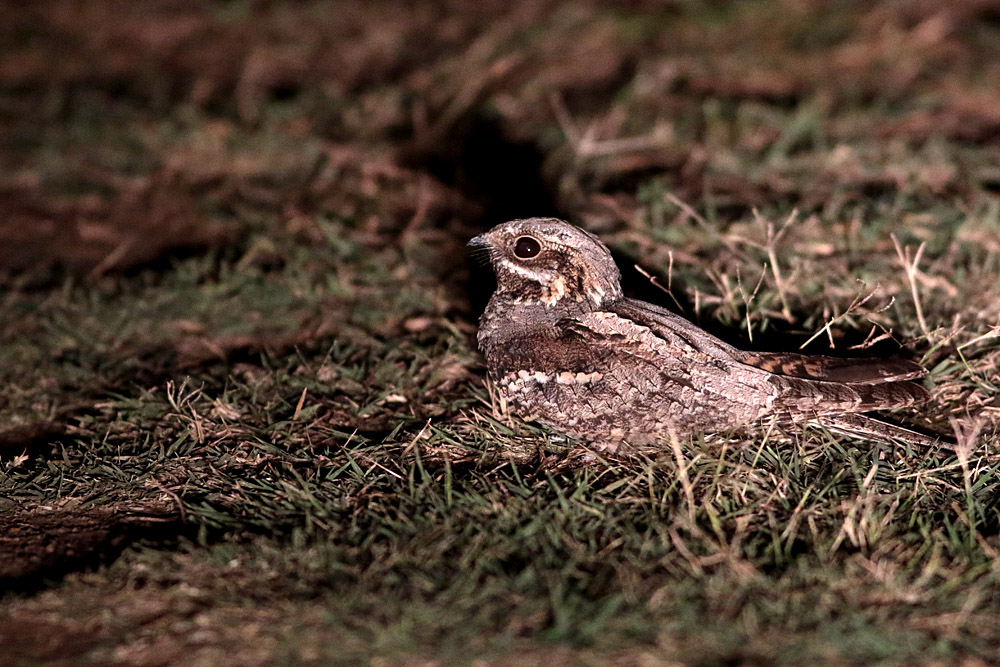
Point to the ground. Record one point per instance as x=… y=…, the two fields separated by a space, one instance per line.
x=243 y=420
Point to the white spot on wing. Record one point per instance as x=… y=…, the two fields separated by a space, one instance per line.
x=524 y=380
x=578 y=378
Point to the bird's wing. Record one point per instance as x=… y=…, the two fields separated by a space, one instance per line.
x=679 y=356
x=807 y=367
x=622 y=374
x=631 y=356
x=674 y=328
x=805 y=383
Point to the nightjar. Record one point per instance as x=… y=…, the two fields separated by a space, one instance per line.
x=564 y=347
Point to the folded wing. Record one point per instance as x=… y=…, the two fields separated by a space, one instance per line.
x=806 y=384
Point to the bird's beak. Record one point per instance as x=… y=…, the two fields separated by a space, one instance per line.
x=478 y=242
x=481 y=249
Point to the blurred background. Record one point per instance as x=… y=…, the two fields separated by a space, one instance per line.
x=131 y=130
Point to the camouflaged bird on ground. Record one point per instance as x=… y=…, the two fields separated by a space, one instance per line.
x=564 y=347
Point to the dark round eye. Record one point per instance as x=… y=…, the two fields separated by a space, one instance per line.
x=526 y=247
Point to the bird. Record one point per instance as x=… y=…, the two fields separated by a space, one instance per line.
x=566 y=348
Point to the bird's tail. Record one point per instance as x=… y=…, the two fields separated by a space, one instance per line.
x=799 y=396
x=870 y=428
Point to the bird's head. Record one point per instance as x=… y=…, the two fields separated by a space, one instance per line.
x=548 y=261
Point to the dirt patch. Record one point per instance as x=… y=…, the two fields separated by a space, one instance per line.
x=45 y=543
x=94 y=234
x=971 y=116
x=37 y=638
x=15 y=440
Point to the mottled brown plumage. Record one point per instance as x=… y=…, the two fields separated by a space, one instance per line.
x=564 y=347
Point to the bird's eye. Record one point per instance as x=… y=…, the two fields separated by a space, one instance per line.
x=526 y=247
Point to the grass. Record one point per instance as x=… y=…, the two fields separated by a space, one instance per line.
x=243 y=417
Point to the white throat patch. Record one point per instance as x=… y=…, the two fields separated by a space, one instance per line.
x=537 y=276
